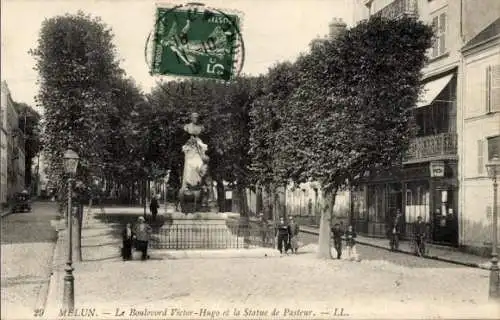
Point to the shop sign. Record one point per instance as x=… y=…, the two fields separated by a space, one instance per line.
x=437 y=168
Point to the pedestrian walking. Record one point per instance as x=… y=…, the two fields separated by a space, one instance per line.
x=420 y=236
x=282 y=235
x=350 y=237
x=395 y=231
x=337 y=233
x=142 y=234
x=294 y=234
x=127 y=241
x=153 y=207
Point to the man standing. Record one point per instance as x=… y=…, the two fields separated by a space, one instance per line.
x=337 y=233
x=395 y=231
x=142 y=234
x=153 y=207
x=294 y=233
x=282 y=235
x=420 y=236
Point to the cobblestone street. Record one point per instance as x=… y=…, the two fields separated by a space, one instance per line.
x=27 y=249
x=383 y=284
x=366 y=289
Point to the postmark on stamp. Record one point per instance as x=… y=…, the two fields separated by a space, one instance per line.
x=195 y=40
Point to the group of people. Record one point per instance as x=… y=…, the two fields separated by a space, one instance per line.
x=286 y=234
x=136 y=236
x=395 y=231
x=349 y=236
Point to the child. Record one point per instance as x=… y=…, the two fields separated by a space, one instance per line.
x=350 y=237
x=127 y=237
x=337 y=239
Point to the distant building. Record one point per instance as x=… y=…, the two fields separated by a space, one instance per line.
x=12 y=150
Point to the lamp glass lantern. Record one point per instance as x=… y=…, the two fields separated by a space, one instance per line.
x=71 y=161
x=493 y=166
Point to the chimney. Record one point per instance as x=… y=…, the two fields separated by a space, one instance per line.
x=337 y=27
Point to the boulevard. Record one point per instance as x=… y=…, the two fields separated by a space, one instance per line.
x=211 y=161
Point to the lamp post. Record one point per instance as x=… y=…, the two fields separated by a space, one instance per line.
x=70 y=166
x=493 y=168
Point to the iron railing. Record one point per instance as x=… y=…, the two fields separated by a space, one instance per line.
x=397 y=9
x=424 y=148
x=216 y=234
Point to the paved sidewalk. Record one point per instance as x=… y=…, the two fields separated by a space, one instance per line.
x=435 y=252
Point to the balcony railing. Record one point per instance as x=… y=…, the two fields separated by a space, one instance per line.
x=439 y=146
x=398 y=8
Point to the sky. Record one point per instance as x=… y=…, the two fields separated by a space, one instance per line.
x=272 y=30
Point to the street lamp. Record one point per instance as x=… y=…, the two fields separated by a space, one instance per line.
x=70 y=166
x=493 y=167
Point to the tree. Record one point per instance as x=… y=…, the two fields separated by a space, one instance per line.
x=29 y=123
x=76 y=63
x=352 y=110
x=266 y=116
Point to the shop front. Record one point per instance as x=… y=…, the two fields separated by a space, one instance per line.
x=428 y=190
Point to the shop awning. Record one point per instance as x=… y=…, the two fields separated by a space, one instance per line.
x=432 y=89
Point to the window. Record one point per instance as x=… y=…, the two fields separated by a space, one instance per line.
x=493 y=147
x=439 y=26
x=480 y=158
x=493 y=88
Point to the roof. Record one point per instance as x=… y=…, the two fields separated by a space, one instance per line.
x=491 y=31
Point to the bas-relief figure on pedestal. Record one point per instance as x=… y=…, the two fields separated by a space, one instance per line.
x=196 y=187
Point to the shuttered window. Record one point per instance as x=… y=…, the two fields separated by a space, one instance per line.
x=493 y=88
x=439 y=26
x=480 y=157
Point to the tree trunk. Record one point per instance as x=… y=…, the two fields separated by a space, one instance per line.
x=267 y=203
x=143 y=187
x=258 y=199
x=243 y=201
x=324 y=243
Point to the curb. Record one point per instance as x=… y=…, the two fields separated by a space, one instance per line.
x=52 y=302
x=467 y=264
x=43 y=293
x=6 y=213
x=217 y=254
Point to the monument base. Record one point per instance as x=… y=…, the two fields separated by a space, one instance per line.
x=205 y=215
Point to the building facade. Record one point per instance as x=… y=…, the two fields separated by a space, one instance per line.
x=12 y=153
x=4 y=134
x=481 y=132
x=429 y=182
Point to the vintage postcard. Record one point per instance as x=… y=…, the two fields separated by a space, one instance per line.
x=250 y=159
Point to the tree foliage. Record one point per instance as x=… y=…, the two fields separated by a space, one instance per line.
x=77 y=66
x=351 y=111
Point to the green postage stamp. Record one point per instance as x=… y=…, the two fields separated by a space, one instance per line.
x=193 y=40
